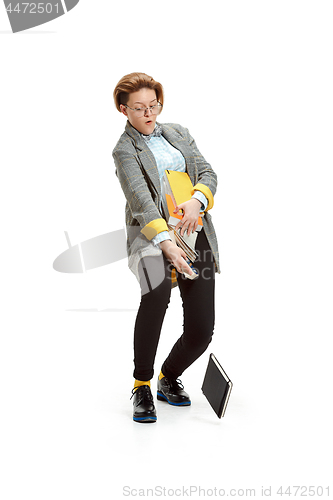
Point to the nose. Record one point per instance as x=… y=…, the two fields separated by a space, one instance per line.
x=148 y=111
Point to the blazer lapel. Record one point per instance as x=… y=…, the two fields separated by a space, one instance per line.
x=178 y=142
x=146 y=157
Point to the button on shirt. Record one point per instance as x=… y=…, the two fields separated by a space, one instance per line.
x=168 y=157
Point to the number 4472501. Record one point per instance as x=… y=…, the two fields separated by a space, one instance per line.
x=32 y=8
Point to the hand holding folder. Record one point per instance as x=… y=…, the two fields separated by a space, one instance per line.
x=190 y=212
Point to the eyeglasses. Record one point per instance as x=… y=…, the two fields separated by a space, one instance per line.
x=139 y=112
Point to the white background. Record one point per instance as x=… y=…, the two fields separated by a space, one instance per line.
x=252 y=80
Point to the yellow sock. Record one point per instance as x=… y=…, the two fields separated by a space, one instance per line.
x=160 y=376
x=137 y=383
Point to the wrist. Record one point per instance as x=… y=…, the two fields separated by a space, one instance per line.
x=196 y=199
x=166 y=244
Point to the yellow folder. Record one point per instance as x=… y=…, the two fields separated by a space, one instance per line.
x=182 y=190
x=181 y=185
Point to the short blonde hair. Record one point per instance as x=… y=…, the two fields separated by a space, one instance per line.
x=132 y=83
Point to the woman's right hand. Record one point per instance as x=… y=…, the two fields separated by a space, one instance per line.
x=176 y=256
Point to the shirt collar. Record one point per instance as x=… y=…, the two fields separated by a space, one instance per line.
x=157 y=132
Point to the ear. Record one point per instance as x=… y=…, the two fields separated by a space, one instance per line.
x=123 y=109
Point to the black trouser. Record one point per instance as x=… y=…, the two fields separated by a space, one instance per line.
x=198 y=307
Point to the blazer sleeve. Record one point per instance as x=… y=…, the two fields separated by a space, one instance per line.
x=137 y=194
x=207 y=178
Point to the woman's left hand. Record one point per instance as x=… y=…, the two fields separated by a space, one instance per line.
x=189 y=222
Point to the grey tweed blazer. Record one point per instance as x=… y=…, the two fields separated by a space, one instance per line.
x=138 y=175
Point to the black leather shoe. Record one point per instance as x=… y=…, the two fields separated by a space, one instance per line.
x=143 y=405
x=172 y=391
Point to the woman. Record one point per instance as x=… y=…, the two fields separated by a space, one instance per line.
x=142 y=154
